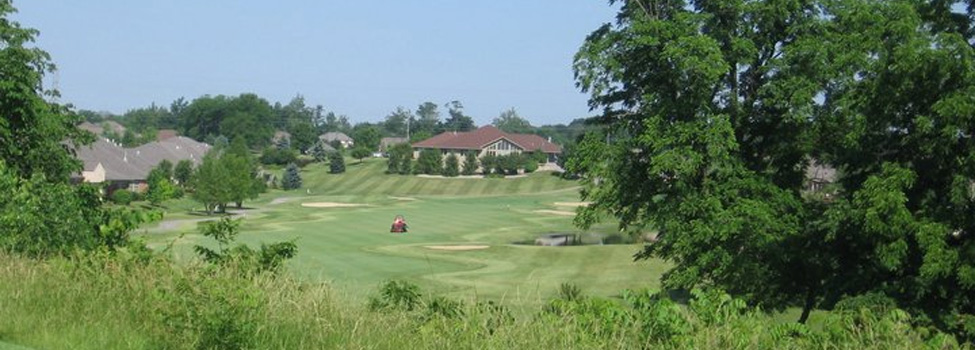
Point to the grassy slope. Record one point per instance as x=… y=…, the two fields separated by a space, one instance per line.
x=353 y=248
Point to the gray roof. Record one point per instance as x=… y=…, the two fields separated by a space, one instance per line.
x=332 y=136
x=819 y=172
x=135 y=163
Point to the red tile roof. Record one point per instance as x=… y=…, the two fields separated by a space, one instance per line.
x=484 y=136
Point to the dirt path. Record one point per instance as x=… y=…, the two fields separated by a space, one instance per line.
x=172 y=225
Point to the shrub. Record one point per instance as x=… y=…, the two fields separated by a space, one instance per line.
x=122 y=197
x=277 y=156
x=470 y=163
x=396 y=295
x=430 y=162
x=451 y=166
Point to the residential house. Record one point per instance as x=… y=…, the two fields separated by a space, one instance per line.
x=120 y=167
x=819 y=175
x=488 y=140
x=342 y=138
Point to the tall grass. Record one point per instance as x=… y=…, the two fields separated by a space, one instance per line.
x=123 y=302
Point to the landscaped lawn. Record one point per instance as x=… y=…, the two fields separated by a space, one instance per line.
x=351 y=247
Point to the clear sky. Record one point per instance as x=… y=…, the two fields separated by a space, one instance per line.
x=358 y=58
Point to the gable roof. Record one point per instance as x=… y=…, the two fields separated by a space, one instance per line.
x=135 y=163
x=484 y=136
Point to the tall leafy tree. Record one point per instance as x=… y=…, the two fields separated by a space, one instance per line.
x=211 y=183
x=714 y=109
x=510 y=121
x=183 y=172
x=32 y=130
x=241 y=172
x=458 y=121
x=395 y=123
x=428 y=119
x=367 y=136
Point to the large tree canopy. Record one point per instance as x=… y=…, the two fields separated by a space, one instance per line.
x=32 y=130
x=715 y=109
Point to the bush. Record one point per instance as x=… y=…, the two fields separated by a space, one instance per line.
x=470 y=163
x=122 y=197
x=430 y=162
x=277 y=156
x=451 y=166
x=396 y=295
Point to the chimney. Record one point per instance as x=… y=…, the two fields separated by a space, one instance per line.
x=549 y=139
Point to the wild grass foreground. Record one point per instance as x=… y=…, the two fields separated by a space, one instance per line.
x=130 y=302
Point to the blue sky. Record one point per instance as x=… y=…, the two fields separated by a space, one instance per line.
x=358 y=58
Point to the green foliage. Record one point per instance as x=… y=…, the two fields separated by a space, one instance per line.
x=399 y=161
x=122 y=197
x=278 y=156
x=360 y=152
x=488 y=163
x=458 y=121
x=510 y=121
x=303 y=136
x=396 y=295
x=269 y=259
x=32 y=130
x=292 y=178
x=451 y=167
x=243 y=116
x=712 y=114
x=160 y=186
x=366 y=136
x=470 y=163
x=336 y=163
x=183 y=172
x=429 y=162
x=210 y=183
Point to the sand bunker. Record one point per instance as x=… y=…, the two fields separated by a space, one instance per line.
x=457 y=247
x=572 y=204
x=556 y=212
x=331 y=205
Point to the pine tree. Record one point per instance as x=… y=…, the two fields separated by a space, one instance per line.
x=451 y=166
x=291 y=178
x=336 y=163
x=470 y=163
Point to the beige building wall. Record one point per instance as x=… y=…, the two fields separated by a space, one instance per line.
x=96 y=175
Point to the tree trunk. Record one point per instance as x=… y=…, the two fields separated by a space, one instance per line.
x=240 y=204
x=807 y=307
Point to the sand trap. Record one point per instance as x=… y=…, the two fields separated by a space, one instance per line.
x=572 y=204
x=403 y=198
x=457 y=247
x=556 y=212
x=331 y=205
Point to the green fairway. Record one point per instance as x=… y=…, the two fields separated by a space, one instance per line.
x=352 y=247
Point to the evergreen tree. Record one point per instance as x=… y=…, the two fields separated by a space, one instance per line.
x=451 y=166
x=470 y=163
x=430 y=162
x=336 y=163
x=292 y=177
